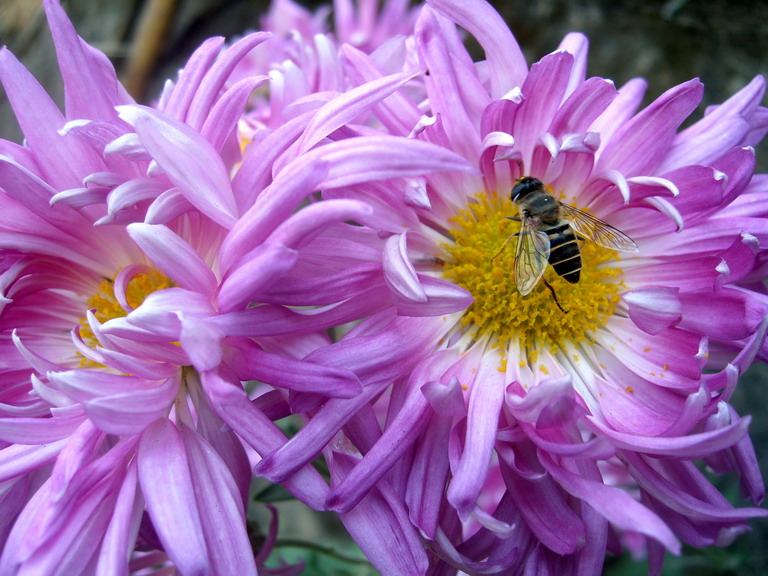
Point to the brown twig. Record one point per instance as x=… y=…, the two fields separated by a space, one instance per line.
x=156 y=18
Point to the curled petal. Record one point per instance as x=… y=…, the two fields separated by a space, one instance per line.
x=654 y=308
x=399 y=272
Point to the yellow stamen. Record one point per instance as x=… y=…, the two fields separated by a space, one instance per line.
x=499 y=309
x=106 y=307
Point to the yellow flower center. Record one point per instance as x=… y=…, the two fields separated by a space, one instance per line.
x=499 y=310
x=106 y=307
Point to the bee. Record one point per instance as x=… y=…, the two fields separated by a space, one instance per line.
x=549 y=234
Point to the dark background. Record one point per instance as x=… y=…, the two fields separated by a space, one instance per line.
x=723 y=42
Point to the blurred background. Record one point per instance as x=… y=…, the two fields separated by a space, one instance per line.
x=723 y=42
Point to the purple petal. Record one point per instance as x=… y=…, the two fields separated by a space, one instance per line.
x=127 y=195
x=625 y=104
x=380 y=526
x=201 y=340
x=159 y=314
x=308 y=223
x=543 y=91
x=545 y=507
x=265 y=265
x=120 y=405
x=652 y=130
x=335 y=165
x=168 y=205
x=226 y=393
x=41 y=430
x=252 y=363
x=399 y=272
x=123 y=526
x=641 y=408
x=398 y=113
x=67 y=159
x=188 y=159
x=215 y=77
x=255 y=172
x=90 y=83
x=486 y=397
x=222 y=513
x=36 y=196
x=506 y=62
x=174 y=257
x=618 y=507
x=222 y=119
x=21 y=459
x=577 y=45
x=654 y=308
x=348 y=106
x=689 y=447
x=302 y=448
x=583 y=106
x=191 y=76
x=443 y=85
x=401 y=433
x=172 y=505
x=686 y=493
x=719 y=130
x=442 y=297
x=431 y=462
x=729 y=315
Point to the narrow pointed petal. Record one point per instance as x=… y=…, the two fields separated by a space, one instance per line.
x=188 y=160
x=90 y=82
x=171 y=504
x=221 y=510
x=175 y=257
x=506 y=60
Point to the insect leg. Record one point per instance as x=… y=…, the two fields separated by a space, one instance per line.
x=548 y=285
x=504 y=245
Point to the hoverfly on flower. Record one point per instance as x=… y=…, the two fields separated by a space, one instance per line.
x=549 y=234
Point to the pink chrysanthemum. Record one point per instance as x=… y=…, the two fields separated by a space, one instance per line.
x=133 y=243
x=523 y=437
x=306 y=63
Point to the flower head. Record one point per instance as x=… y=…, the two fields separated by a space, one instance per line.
x=525 y=429
x=138 y=250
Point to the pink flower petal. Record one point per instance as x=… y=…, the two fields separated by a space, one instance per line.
x=614 y=504
x=174 y=257
x=654 y=308
x=506 y=61
x=486 y=397
x=348 y=106
x=221 y=509
x=380 y=525
x=188 y=159
x=172 y=505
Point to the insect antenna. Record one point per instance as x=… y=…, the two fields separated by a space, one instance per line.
x=554 y=296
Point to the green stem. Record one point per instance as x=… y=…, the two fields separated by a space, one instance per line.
x=323 y=549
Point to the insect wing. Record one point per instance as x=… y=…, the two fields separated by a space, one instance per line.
x=594 y=229
x=531 y=257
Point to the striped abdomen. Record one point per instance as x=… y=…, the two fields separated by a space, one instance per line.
x=564 y=253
